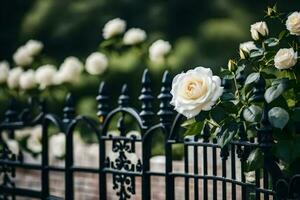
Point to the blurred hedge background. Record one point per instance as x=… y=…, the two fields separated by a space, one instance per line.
x=202 y=32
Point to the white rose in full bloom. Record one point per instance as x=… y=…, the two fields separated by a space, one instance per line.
x=4 y=71
x=158 y=50
x=285 y=58
x=96 y=63
x=245 y=48
x=22 y=56
x=259 y=29
x=58 y=145
x=13 y=79
x=293 y=23
x=195 y=90
x=69 y=71
x=114 y=27
x=44 y=75
x=34 y=47
x=34 y=144
x=13 y=146
x=27 y=80
x=134 y=36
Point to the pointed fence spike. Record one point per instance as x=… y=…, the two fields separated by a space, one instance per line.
x=165 y=109
x=69 y=109
x=124 y=97
x=102 y=99
x=146 y=98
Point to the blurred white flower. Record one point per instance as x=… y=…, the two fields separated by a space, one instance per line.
x=22 y=133
x=34 y=144
x=69 y=71
x=4 y=71
x=27 y=80
x=22 y=56
x=58 y=145
x=96 y=63
x=158 y=50
x=250 y=176
x=285 y=58
x=114 y=27
x=259 y=29
x=37 y=132
x=293 y=23
x=44 y=75
x=34 y=47
x=13 y=79
x=13 y=146
x=245 y=49
x=134 y=36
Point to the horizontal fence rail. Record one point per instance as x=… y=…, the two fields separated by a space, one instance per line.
x=209 y=172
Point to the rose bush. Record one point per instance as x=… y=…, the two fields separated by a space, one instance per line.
x=264 y=80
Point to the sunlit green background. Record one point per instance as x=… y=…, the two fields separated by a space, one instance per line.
x=202 y=32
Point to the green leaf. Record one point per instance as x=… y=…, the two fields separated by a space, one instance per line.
x=252 y=78
x=194 y=128
x=282 y=34
x=272 y=42
x=227 y=133
x=256 y=53
x=226 y=74
x=255 y=160
x=227 y=96
x=218 y=114
x=278 y=117
x=296 y=114
x=252 y=113
x=276 y=89
x=188 y=122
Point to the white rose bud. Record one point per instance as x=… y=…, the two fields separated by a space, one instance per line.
x=22 y=56
x=245 y=49
x=96 y=63
x=293 y=23
x=285 y=58
x=44 y=75
x=70 y=70
x=58 y=145
x=134 y=36
x=259 y=29
x=13 y=79
x=195 y=90
x=114 y=27
x=34 y=47
x=27 y=80
x=158 y=50
x=4 y=71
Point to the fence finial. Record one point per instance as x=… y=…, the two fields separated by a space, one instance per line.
x=146 y=98
x=69 y=109
x=11 y=114
x=165 y=109
x=124 y=97
x=102 y=99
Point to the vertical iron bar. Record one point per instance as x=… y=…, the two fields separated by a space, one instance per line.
x=205 y=172
x=186 y=171
x=196 y=182
x=233 y=172
x=214 y=162
x=266 y=183
x=45 y=161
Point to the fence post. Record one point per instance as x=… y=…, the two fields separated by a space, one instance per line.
x=103 y=109
x=166 y=118
x=146 y=115
x=69 y=114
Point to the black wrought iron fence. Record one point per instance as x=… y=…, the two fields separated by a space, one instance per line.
x=210 y=173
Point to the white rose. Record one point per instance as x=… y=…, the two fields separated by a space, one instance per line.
x=293 y=23
x=13 y=146
x=245 y=49
x=4 y=71
x=34 y=144
x=44 y=75
x=22 y=57
x=96 y=63
x=158 y=50
x=134 y=36
x=285 y=58
x=33 y=47
x=195 y=90
x=58 y=145
x=70 y=70
x=250 y=176
x=37 y=132
x=22 y=133
x=13 y=79
x=259 y=29
x=27 y=80
x=114 y=27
